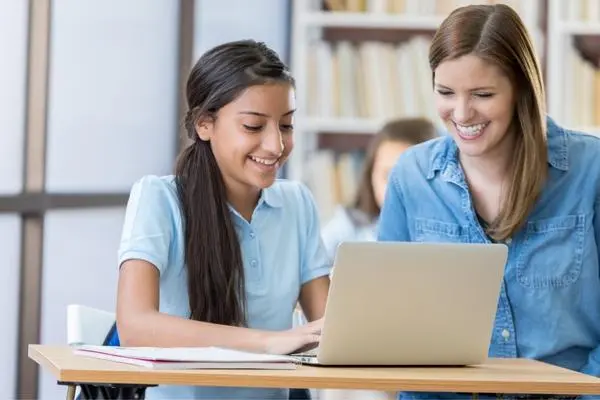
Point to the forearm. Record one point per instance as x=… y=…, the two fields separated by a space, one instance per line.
x=313 y=298
x=155 y=329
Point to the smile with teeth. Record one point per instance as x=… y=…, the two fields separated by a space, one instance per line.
x=470 y=130
x=264 y=161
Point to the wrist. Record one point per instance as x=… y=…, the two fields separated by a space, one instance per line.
x=261 y=340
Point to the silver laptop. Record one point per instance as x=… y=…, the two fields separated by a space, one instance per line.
x=421 y=304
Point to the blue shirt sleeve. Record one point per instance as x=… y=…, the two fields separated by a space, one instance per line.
x=149 y=220
x=315 y=261
x=393 y=223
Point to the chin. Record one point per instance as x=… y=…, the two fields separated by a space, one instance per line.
x=477 y=150
x=262 y=182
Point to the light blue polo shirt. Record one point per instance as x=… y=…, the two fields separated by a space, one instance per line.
x=281 y=249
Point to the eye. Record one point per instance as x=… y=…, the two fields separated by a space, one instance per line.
x=287 y=128
x=252 y=128
x=484 y=95
x=444 y=92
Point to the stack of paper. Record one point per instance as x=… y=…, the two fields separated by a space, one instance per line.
x=187 y=357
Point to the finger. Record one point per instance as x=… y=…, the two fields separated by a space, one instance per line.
x=312 y=330
x=317 y=324
x=313 y=339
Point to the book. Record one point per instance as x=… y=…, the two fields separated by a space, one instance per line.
x=176 y=358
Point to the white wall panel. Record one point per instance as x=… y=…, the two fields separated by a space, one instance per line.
x=226 y=20
x=10 y=257
x=79 y=267
x=112 y=113
x=13 y=75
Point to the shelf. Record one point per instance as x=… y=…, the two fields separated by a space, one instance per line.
x=342 y=125
x=370 y=21
x=579 y=27
x=341 y=143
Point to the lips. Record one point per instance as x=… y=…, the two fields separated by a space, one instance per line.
x=264 y=161
x=470 y=132
x=265 y=165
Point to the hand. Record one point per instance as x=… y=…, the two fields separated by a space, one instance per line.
x=315 y=326
x=286 y=342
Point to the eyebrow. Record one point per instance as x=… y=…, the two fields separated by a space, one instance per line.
x=265 y=115
x=473 y=90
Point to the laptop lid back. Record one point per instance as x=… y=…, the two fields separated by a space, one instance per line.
x=394 y=303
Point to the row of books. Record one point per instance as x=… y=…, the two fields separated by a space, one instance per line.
x=333 y=179
x=412 y=7
x=581 y=10
x=582 y=91
x=375 y=80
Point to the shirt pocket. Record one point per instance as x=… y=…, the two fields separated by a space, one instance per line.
x=551 y=254
x=431 y=230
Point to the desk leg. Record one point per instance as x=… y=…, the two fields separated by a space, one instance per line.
x=94 y=391
x=71 y=392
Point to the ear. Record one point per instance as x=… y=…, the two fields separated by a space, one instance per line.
x=204 y=129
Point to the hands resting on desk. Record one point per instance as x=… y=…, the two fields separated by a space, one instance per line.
x=298 y=339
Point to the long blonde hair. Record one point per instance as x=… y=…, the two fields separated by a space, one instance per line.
x=496 y=34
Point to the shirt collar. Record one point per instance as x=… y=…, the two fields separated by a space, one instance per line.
x=445 y=151
x=558 y=147
x=271 y=196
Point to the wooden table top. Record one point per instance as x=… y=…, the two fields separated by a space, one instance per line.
x=494 y=376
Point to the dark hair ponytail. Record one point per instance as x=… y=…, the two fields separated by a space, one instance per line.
x=213 y=257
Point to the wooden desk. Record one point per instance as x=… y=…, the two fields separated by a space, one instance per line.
x=495 y=376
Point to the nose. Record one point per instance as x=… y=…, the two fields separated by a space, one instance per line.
x=462 y=112
x=273 y=141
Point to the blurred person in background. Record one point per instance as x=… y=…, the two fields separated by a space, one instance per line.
x=357 y=222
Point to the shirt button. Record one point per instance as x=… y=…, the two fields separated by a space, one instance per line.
x=505 y=334
x=253 y=263
x=252 y=234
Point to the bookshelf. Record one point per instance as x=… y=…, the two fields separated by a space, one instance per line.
x=573 y=82
x=359 y=63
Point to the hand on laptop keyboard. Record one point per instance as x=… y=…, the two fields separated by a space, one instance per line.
x=302 y=338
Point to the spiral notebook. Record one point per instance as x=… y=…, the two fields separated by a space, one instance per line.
x=165 y=358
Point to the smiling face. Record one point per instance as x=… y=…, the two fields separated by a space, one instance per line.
x=251 y=137
x=476 y=101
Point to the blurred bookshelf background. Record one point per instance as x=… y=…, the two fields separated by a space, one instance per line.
x=92 y=101
x=360 y=63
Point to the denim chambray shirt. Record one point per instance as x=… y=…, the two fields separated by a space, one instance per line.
x=549 y=305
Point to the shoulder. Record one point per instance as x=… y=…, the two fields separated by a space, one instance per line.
x=423 y=159
x=156 y=185
x=582 y=141
x=572 y=149
x=154 y=193
x=340 y=221
x=339 y=228
x=152 y=221
x=349 y=224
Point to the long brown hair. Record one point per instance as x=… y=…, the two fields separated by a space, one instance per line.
x=407 y=130
x=213 y=257
x=496 y=34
